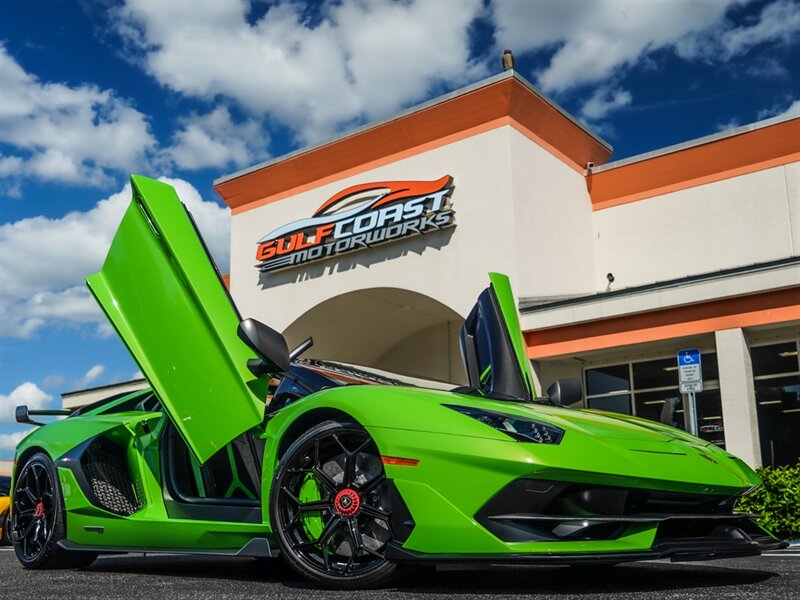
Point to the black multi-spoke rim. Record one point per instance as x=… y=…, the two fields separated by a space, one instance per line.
x=333 y=505
x=33 y=513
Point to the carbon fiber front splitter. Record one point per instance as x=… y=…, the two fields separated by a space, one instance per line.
x=676 y=551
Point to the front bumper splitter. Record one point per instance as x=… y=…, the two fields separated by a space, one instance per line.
x=676 y=551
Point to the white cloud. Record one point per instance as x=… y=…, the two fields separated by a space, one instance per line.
x=778 y=22
x=592 y=40
x=27 y=393
x=603 y=101
x=66 y=134
x=53 y=381
x=9 y=441
x=93 y=373
x=215 y=140
x=792 y=110
x=45 y=260
x=728 y=125
x=137 y=374
x=767 y=67
x=358 y=60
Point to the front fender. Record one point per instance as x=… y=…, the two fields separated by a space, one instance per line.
x=376 y=408
x=466 y=461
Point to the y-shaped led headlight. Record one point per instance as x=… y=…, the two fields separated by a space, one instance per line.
x=520 y=428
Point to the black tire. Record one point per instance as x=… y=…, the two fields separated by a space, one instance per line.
x=37 y=519
x=5 y=523
x=340 y=466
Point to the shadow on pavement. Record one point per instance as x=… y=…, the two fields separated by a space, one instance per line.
x=642 y=577
x=265 y=570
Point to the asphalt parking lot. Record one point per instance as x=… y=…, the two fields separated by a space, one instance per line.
x=774 y=575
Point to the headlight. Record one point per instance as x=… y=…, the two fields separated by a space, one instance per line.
x=519 y=428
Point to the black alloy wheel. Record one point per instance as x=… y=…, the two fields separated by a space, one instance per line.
x=330 y=507
x=37 y=519
x=5 y=523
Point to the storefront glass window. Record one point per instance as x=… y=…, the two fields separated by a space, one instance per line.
x=649 y=389
x=619 y=404
x=710 y=367
x=663 y=406
x=608 y=380
x=709 y=416
x=775 y=359
x=655 y=373
x=776 y=374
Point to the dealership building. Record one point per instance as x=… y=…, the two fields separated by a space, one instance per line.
x=378 y=243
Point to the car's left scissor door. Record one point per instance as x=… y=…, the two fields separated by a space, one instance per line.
x=162 y=292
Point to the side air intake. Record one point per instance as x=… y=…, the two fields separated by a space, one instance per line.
x=106 y=469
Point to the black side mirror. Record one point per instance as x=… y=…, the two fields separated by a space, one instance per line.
x=267 y=343
x=563 y=392
x=23 y=415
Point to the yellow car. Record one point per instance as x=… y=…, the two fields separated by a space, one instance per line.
x=5 y=505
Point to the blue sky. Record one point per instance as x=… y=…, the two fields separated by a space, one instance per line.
x=91 y=91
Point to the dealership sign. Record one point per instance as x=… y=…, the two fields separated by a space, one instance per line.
x=360 y=217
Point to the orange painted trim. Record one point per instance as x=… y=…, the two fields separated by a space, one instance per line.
x=744 y=311
x=457 y=118
x=547 y=146
x=494 y=124
x=745 y=153
x=676 y=187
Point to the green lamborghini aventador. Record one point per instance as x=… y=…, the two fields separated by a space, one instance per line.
x=243 y=448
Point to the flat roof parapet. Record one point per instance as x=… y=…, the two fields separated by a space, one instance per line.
x=504 y=99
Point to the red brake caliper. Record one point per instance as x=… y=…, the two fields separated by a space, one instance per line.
x=38 y=512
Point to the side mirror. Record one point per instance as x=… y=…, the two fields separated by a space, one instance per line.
x=23 y=415
x=267 y=343
x=563 y=392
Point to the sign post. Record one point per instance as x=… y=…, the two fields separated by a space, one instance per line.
x=690 y=376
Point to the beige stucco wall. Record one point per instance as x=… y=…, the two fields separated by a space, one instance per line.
x=440 y=359
x=522 y=211
x=547 y=371
x=519 y=210
x=729 y=223
x=384 y=328
x=552 y=224
x=449 y=266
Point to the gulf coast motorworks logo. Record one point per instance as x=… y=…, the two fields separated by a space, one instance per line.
x=360 y=217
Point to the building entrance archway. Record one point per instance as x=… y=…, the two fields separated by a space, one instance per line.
x=389 y=329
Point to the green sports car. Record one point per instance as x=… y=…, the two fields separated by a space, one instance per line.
x=243 y=448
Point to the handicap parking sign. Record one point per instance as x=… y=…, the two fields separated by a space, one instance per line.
x=690 y=371
x=689 y=357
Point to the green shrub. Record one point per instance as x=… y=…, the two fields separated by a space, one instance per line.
x=778 y=500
